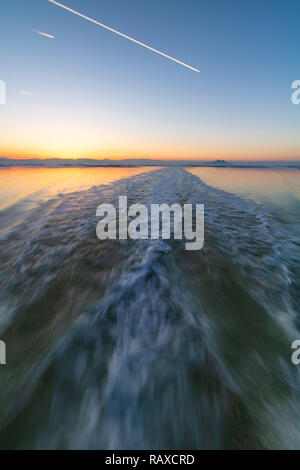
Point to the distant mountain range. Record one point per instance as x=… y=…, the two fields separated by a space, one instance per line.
x=88 y=162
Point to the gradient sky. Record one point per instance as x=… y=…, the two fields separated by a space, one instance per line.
x=96 y=95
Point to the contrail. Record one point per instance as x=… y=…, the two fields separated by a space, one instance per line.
x=44 y=34
x=121 y=34
x=28 y=93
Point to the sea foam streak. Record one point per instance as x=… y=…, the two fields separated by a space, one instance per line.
x=141 y=344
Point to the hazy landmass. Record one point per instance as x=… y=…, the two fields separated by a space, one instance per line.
x=87 y=162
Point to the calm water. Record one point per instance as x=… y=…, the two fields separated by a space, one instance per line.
x=22 y=189
x=141 y=344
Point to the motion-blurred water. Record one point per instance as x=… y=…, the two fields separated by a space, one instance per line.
x=141 y=344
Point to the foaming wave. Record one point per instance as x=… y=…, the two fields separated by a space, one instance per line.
x=141 y=344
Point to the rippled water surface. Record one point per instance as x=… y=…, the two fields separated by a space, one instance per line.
x=22 y=189
x=141 y=344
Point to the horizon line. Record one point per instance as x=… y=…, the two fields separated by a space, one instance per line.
x=220 y=159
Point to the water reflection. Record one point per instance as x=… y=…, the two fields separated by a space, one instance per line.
x=22 y=189
x=277 y=190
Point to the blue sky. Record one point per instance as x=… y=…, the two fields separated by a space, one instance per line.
x=97 y=95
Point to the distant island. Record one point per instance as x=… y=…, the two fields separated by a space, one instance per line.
x=220 y=163
x=135 y=162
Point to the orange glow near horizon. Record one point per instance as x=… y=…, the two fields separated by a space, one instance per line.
x=101 y=155
x=66 y=138
x=64 y=133
x=154 y=152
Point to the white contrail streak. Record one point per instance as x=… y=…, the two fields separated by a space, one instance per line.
x=44 y=34
x=28 y=93
x=121 y=34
